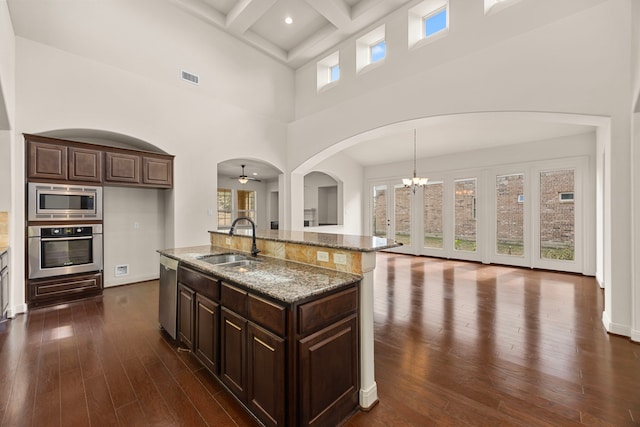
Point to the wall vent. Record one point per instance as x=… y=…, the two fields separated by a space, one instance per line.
x=190 y=77
x=122 y=270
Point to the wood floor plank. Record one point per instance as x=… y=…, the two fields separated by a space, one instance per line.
x=457 y=344
x=101 y=410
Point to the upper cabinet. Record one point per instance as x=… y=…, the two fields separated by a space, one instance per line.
x=122 y=168
x=85 y=164
x=46 y=161
x=51 y=159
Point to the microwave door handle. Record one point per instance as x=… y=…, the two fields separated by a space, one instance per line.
x=57 y=239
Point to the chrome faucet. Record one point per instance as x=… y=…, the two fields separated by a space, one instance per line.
x=254 y=248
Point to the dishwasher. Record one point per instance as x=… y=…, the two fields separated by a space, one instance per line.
x=168 y=304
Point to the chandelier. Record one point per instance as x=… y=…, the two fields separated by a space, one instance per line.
x=414 y=182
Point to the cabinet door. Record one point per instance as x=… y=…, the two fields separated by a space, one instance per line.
x=206 y=343
x=328 y=374
x=233 y=353
x=157 y=172
x=185 y=315
x=266 y=379
x=46 y=161
x=85 y=165
x=123 y=168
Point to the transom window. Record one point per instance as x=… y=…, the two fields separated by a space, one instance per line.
x=377 y=51
x=334 y=73
x=435 y=22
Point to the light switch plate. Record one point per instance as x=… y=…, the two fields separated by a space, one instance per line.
x=323 y=256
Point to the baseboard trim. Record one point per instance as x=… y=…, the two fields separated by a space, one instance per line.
x=615 y=328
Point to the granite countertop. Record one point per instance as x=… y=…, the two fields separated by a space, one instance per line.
x=326 y=240
x=282 y=280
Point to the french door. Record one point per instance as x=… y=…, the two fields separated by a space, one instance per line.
x=529 y=215
x=391 y=217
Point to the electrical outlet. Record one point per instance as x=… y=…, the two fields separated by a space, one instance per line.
x=340 y=259
x=227 y=240
x=323 y=256
x=136 y=225
x=122 y=270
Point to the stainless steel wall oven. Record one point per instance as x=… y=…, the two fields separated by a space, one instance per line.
x=56 y=250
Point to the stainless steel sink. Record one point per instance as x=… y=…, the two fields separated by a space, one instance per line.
x=224 y=258
x=241 y=263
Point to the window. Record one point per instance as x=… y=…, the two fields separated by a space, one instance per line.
x=428 y=20
x=465 y=215
x=230 y=207
x=377 y=51
x=557 y=216
x=433 y=199
x=435 y=22
x=328 y=70
x=334 y=73
x=371 y=49
x=247 y=204
x=510 y=215
x=224 y=207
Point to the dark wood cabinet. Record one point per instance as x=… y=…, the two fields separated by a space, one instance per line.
x=328 y=370
x=289 y=364
x=85 y=165
x=157 y=171
x=185 y=315
x=233 y=353
x=59 y=160
x=122 y=168
x=266 y=375
x=60 y=289
x=207 y=327
x=46 y=161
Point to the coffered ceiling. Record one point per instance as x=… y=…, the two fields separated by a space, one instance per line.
x=316 y=26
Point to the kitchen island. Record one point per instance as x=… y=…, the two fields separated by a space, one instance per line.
x=295 y=324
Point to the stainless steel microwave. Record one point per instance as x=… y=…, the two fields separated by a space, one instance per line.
x=62 y=202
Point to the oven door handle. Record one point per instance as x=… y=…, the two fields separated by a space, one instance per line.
x=57 y=239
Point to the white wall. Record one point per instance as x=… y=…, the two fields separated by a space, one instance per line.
x=134 y=228
x=131 y=87
x=314 y=182
x=570 y=57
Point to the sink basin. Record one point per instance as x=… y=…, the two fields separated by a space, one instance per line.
x=241 y=263
x=224 y=258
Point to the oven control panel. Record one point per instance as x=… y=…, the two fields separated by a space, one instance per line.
x=66 y=231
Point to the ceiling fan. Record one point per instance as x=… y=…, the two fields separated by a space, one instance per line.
x=243 y=179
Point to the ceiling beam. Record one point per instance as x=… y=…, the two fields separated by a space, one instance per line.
x=245 y=13
x=337 y=12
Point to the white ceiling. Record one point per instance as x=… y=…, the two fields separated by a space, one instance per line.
x=453 y=134
x=253 y=169
x=317 y=24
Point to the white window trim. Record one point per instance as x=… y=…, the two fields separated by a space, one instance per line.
x=363 y=49
x=324 y=71
x=417 y=14
x=495 y=6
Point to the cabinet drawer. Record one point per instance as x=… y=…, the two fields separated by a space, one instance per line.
x=320 y=313
x=205 y=285
x=268 y=315
x=58 y=289
x=234 y=299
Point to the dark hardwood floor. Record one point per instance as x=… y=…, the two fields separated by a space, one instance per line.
x=456 y=344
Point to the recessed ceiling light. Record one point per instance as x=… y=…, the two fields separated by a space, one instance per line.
x=255 y=174
x=288 y=20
